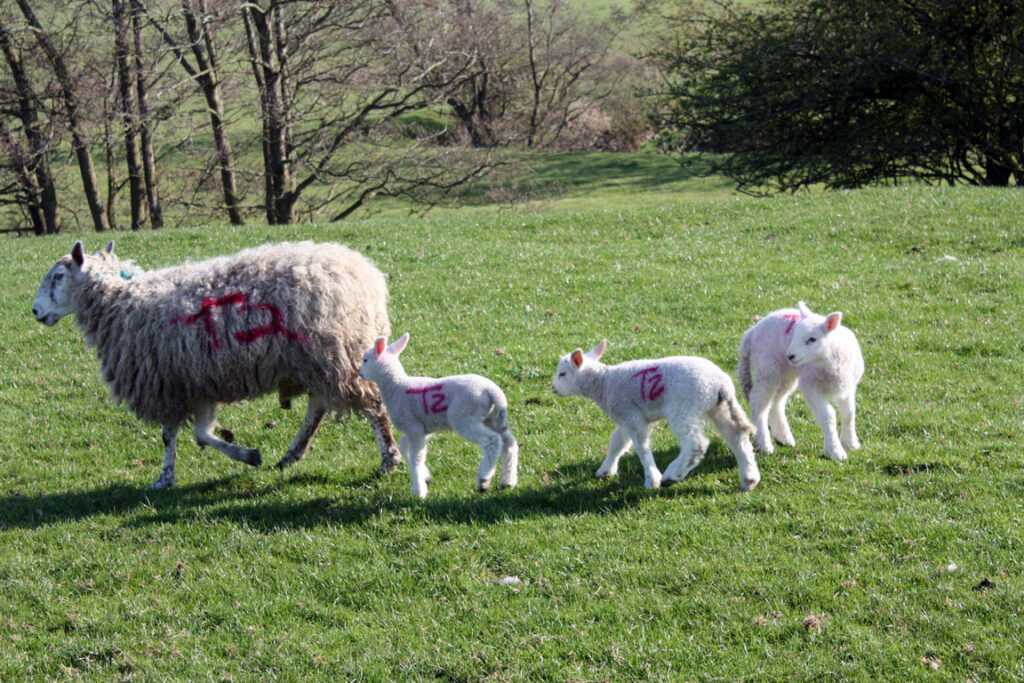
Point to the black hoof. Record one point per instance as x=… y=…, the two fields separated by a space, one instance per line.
x=255 y=459
x=668 y=482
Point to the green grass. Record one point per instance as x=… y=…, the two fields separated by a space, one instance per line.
x=902 y=564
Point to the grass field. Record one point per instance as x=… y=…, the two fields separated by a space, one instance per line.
x=902 y=564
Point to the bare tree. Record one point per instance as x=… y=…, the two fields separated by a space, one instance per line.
x=72 y=110
x=35 y=189
x=126 y=101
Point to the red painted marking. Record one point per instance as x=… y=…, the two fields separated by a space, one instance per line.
x=793 y=320
x=239 y=299
x=433 y=398
x=652 y=383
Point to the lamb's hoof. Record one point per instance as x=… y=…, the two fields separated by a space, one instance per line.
x=161 y=483
x=253 y=457
x=483 y=484
x=750 y=484
x=838 y=456
x=665 y=482
x=507 y=485
x=790 y=442
x=602 y=475
x=653 y=484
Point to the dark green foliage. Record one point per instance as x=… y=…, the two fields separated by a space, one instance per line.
x=847 y=93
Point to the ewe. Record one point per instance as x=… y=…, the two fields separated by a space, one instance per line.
x=683 y=390
x=471 y=405
x=793 y=347
x=177 y=342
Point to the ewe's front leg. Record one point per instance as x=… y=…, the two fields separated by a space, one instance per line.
x=206 y=414
x=618 y=445
x=170 y=437
x=300 y=444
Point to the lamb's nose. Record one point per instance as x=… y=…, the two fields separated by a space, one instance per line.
x=791 y=356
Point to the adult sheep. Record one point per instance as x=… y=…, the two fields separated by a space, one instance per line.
x=175 y=343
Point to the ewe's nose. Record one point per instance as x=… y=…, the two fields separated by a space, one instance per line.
x=35 y=312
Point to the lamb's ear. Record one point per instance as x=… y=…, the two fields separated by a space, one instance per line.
x=577 y=358
x=832 y=321
x=380 y=344
x=804 y=311
x=78 y=254
x=598 y=351
x=399 y=344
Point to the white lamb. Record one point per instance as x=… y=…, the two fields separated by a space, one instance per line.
x=683 y=390
x=177 y=342
x=471 y=405
x=792 y=347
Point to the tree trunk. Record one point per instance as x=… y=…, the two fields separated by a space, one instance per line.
x=126 y=102
x=69 y=99
x=145 y=122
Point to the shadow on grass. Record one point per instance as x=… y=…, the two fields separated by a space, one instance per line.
x=570 y=489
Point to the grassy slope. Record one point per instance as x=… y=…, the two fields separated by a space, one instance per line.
x=902 y=563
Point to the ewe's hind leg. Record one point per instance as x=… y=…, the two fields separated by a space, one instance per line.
x=206 y=414
x=692 y=447
x=377 y=416
x=777 y=413
x=170 y=436
x=618 y=445
x=738 y=441
x=297 y=450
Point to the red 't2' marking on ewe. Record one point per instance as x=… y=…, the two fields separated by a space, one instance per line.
x=436 y=402
x=242 y=336
x=793 y=320
x=651 y=383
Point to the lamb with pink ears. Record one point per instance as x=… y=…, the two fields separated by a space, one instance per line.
x=795 y=347
x=471 y=405
x=683 y=390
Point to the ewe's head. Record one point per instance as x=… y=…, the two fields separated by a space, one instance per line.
x=566 y=378
x=53 y=300
x=810 y=336
x=381 y=356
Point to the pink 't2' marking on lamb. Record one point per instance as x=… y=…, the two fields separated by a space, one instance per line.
x=433 y=398
x=793 y=320
x=651 y=383
x=249 y=336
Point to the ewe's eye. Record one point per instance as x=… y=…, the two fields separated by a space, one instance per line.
x=58 y=277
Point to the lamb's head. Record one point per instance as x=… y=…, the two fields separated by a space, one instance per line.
x=381 y=359
x=810 y=336
x=54 y=299
x=566 y=381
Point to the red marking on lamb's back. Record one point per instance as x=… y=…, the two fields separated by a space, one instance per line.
x=793 y=320
x=652 y=383
x=433 y=398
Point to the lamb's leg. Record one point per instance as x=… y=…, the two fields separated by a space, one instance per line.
x=490 y=443
x=377 y=416
x=618 y=445
x=640 y=433
x=415 y=445
x=777 y=413
x=509 y=475
x=297 y=450
x=848 y=416
x=739 y=443
x=170 y=436
x=692 y=447
x=206 y=414
x=761 y=395
x=825 y=416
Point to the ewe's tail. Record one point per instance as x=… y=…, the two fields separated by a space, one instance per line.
x=737 y=415
x=743 y=367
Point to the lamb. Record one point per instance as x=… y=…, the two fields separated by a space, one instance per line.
x=177 y=342
x=471 y=405
x=792 y=347
x=683 y=390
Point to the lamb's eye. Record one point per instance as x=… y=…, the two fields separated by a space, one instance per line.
x=811 y=340
x=562 y=373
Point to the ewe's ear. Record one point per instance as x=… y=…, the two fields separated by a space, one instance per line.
x=108 y=250
x=399 y=344
x=598 y=351
x=77 y=254
x=380 y=344
x=832 y=321
x=577 y=358
x=804 y=311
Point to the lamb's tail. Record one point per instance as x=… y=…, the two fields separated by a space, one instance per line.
x=737 y=415
x=743 y=367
